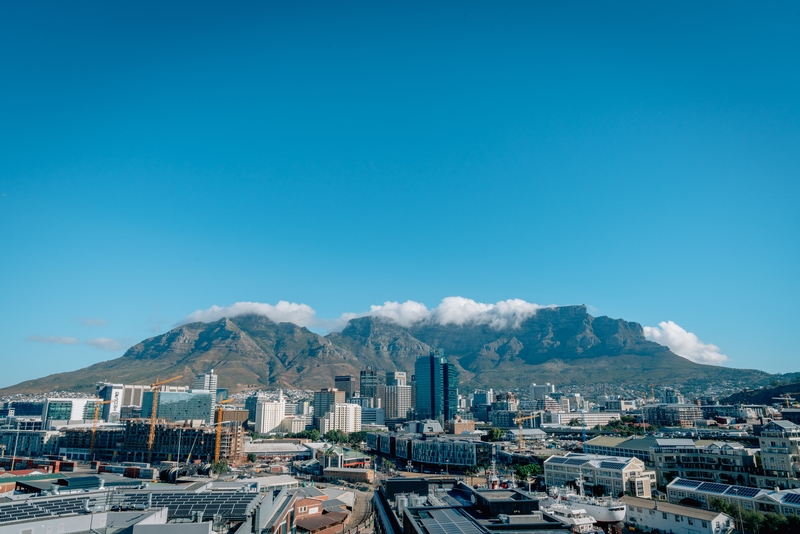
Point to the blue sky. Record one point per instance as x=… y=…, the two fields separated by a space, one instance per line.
x=160 y=159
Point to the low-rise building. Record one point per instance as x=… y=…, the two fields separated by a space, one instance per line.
x=784 y=502
x=655 y=516
x=683 y=415
x=602 y=475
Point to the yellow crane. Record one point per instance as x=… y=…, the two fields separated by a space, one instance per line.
x=519 y=421
x=785 y=397
x=154 y=412
x=219 y=427
x=94 y=426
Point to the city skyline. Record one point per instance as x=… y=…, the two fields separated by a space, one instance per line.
x=160 y=160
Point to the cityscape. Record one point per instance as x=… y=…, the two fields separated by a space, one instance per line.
x=355 y=267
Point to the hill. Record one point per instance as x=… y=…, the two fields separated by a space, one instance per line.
x=564 y=345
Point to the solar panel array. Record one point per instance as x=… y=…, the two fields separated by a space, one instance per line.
x=575 y=461
x=231 y=505
x=742 y=491
x=449 y=521
x=556 y=460
x=791 y=498
x=38 y=508
x=686 y=483
x=612 y=465
x=712 y=487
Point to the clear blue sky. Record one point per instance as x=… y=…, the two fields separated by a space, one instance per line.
x=160 y=158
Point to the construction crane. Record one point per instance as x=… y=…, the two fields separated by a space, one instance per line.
x=518 y=421
x=219 y=427
x=94 y=426
x=154 y=387
x=785 y=397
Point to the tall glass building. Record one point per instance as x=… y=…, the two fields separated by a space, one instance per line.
x=437 y=386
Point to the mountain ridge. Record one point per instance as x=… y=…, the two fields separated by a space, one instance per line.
x=564 y=345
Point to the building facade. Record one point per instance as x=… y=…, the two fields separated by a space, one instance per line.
x=436 y=386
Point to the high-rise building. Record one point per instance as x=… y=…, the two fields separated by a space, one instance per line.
x=179 y=406
x=325 y=399
x=269 y=414
x=538 y=391
x=437 y=386
x=207 y=381
x=397 y=395
x=369 y=383
x=346 y=383
x=344 y=417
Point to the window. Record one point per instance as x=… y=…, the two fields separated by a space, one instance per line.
x=705 y=524
x=302 y=509
x=689 y=519
x=664 y=514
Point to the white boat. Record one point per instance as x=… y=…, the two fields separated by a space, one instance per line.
x=576 y=518
x=603 y=509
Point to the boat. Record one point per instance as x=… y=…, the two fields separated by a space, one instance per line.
x=576 y=518
x=602 y=509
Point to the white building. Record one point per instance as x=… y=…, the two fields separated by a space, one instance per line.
x=590 y=419
x=269 y=414
x=780 y=455
x=648 y=515
x=398 y=401
x=782 y=502
x=345 y=417
x=609 y=475
x=295 y=423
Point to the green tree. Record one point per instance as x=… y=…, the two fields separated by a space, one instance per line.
x=356 y=438
x=251 y=457
x=335 y=436
x=496 y=434
x=220 y=467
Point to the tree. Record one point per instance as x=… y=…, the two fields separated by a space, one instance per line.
x=356 y=438
x=220 y=467
x=496 y=434
x=335 y=436
x=251 y=457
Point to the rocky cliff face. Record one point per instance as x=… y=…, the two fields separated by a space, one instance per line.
x=561 y=345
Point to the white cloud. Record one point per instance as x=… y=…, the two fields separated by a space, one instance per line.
x=89 y=321
x=452 y=310
x=56 y=340
x=684 y=343
x=282 y=312
x=104 y=343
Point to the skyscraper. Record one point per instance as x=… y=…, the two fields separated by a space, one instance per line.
x=346 y=383
x=436 y=386
x=369 y=384
x=398 y=395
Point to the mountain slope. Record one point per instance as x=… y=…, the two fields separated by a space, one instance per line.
x=562 y=345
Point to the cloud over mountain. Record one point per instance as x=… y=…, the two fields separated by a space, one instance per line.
x=684 y=343
x=452 y=310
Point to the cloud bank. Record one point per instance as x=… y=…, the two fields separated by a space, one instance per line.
x=452 y=310
x=685 y=343
x=54 y=340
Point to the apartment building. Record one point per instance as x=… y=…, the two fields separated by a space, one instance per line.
x=780 y=455
x=603 y=475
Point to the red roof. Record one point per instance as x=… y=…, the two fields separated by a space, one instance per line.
x=318 y=522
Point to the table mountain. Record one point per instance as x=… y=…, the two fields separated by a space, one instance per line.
x=564 y=345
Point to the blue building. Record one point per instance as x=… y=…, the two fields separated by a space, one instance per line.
x=436 y=386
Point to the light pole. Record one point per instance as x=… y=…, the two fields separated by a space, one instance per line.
x=14 y=455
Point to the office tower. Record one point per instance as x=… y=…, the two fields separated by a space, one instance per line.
x=369 y=384
x=437 y=386
x=397 y=395
x=207 y=381
x=346 y=383
x=110 y=392
x=180 y=406
x=325 y=399
x=538 y=391
x=269 y=414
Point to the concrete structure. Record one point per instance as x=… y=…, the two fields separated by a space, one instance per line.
x=269 y=414
x=114 y=393
x=343 y=416
x=589 y=419
x=671 y=396
x=606 y=475
x=683 y=415
x=180 y=406
x=650 y=516
x=436 y=386
x=780 y=455
x=65 y=410
x=208 y=382
x=713 y=461
x=34 y=443
x=459 y=425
